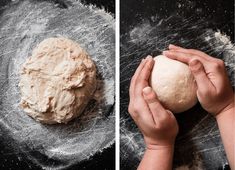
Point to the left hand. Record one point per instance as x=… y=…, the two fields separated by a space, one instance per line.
x=158 y=125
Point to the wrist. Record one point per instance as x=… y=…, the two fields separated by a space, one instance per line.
x=159 y=147
x=159 y=150
x=229 y=109
x=160 y=143
x=159 y=157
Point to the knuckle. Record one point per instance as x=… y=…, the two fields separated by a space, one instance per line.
x=130 y=110
x=134 y=108
x=130 y=107
x=219 y=64
x=135 y=116
x=196 y=57
x=133 y=112
x=216 y=65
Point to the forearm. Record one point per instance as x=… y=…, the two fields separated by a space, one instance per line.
x=226 y=123
x=157 y=159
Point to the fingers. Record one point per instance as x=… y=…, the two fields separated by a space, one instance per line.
x=191 y=51
x=155 y=107
x=146 y=71
x=183 y=57
x=143 y=77
x=174 y=47
x=203 y=83
x=138 y=108
x=133 y=79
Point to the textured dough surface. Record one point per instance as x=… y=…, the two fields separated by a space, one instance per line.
x=174 y=84
x=57 y=81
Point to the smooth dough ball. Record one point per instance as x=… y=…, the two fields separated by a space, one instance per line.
x=174 y=84
x=57 y=81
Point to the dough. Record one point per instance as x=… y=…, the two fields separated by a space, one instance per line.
x=57 y=81
x=174 y=84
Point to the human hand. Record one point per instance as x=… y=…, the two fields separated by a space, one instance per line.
x=214 y=90
x=158 y=126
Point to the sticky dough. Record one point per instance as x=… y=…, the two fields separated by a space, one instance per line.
x=57 y=81
x=174 y=84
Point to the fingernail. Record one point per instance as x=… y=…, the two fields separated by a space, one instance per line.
x=171 y=45
x=149 y=57
x=147 y=90
x=165 y=52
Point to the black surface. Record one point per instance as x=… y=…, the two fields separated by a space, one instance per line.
x=106 y=4
x=220 y=13
x=205 y=14
x=100 y=161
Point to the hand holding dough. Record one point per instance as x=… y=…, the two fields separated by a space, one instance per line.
x=174 y=84
x=57 y=81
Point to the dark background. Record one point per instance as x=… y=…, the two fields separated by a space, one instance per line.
x=220 y=13
x=100 y=161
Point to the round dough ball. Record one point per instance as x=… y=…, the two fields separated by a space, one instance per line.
x=174 y=84
x=57 y=81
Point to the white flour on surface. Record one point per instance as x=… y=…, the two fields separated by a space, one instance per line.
x=23 y=26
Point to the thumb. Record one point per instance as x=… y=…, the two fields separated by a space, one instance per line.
x=198 y=71
x=170 y=113
x=155 y=107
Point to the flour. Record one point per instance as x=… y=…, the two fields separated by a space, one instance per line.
x=23 y=26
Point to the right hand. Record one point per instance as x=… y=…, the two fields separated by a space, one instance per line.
x=214 y=90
